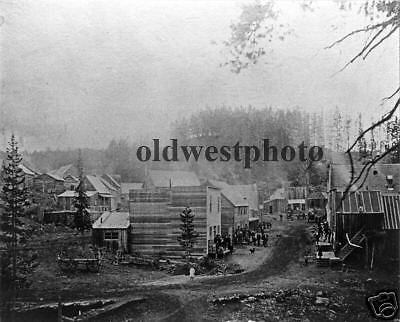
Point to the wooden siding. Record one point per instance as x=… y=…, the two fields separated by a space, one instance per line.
x=155 y=219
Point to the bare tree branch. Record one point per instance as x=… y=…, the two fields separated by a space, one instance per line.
x=385 y=118
x=366 y=168
x=365 y=29
x=391 y=96
x=380 y=41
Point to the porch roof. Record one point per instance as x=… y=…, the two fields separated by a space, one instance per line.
x=358 y=202
x=391 y=211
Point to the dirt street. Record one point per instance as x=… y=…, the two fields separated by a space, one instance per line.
x=276 y=287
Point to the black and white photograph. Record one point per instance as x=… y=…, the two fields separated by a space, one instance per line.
x=199 y=160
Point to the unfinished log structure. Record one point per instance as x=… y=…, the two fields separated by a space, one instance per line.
x=155 y=219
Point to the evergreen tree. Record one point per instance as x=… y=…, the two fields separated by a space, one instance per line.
x=188 y=237
x=362 y=143
x=14 y=197
x=393 y=139
x=81 y=202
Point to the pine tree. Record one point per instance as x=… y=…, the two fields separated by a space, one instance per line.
x=393 y=139
x=362 y=143
x=14 y=197
x=188 y=237
x=81 y=202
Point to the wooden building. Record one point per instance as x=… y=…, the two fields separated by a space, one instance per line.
x=66 y=170
x=296 y=198
x=369 y=214
x=125 y=188
x=155 y=219
x=111 y=230
x=107 y=198
x=276 y=203
x=29 y=175
x=234 y=208
x=48 y=183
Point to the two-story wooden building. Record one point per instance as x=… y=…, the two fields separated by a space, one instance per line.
x=155 y=214
x=234 y=207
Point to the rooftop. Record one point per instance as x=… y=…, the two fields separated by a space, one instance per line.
x=169 y=178
x=112 y=220
x=126 y=186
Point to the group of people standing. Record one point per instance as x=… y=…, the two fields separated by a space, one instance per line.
x=323 y=232
x=223 y=243
x=256 y=237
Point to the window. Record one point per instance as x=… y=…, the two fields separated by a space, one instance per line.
x=218 y=203
x=211 y=232
x=215 y=230
x=218 y=229
x=210 y=203
x=111 y=235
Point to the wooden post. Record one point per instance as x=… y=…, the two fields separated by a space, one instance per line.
x=366 y=252
x=59 y=310
x=372 y=255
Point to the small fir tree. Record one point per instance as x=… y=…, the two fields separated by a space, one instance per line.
x=188 y=237
x=81 y=202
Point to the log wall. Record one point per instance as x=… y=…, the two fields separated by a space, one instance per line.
x=155 y=219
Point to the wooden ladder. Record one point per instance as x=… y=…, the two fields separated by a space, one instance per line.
x=357 y=239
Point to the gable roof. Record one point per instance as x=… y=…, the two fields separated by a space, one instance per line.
x=112 y=220
x=250 y=192
x=126 y=186
x=26 y=170
x=231 y=193
x=167 y=178
x=54 y=176
x=98 y=184
x=109 y=179
x=62 y=171
x=72 y=177
x=72 y=194
x=376 y=179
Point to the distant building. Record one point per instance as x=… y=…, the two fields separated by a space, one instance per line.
x=234 y=208
x=29 y=175
x=277 y=203
x=71 y=182
x=102 y=197
x=48 y=183
x=107 y=195
x=112 y=230
x=296 y=198
x=66 y=170
x=125 y=188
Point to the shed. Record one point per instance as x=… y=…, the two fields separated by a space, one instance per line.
x=111 y=230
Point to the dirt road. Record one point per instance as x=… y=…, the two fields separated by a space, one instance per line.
x=280 y=289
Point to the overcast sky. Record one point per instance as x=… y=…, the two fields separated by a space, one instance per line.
x=79 y=73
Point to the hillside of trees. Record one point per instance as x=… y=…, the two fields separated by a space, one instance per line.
x=226 y=126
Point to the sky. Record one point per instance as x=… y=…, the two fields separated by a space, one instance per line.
x=79 y=73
